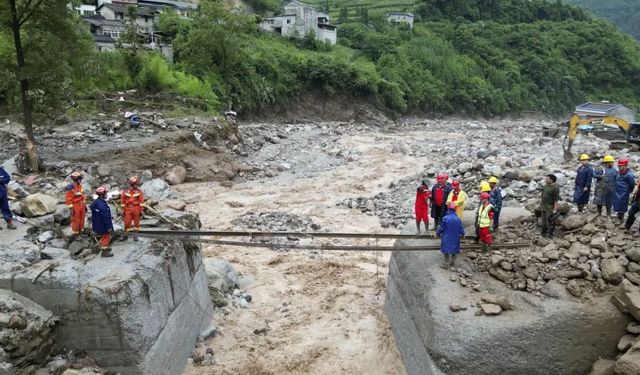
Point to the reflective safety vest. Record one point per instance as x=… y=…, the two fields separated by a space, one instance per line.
x=132 y=198
x=484 y=220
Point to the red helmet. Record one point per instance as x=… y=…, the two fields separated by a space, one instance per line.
x=75 y=176
x=134 y=180
x=455 y=184
x=101 y=190
x=445 y=175
x=441 y=177
x=484 y=196
x=623 y=162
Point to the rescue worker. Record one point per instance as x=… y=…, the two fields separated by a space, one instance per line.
x=451 y=231
x=496 y=201
x=484 y=188
x=76 y=201
x=605 y=184
x=635 y=208
x=422 y=206
x=101 y=221
x=439 y=194
x=584 y=179
x=485 y=222
x=132 y=203
x=549 y=205
x=4 y=199
x=458 y=197
x=624 y=184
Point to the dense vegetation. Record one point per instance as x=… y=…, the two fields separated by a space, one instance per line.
x=473 y=56
x=624 y=13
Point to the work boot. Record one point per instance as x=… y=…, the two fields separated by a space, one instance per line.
x=608 y=212
x=445 y=263
x=418 y=226
x=106 y=253
x=452 y=262
x=135 y=238
x=426 y=226
x=599 y=210
x=485 y=247
x=11 y=225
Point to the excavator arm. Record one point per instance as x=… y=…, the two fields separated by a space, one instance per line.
x=576 y=121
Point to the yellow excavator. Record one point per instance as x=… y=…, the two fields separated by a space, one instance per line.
x=607 y=124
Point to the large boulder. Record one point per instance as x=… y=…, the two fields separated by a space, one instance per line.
x=222 y=276
x=603 y=367
x=574 y=222
x=39 y=204
x=612 y=271
x=629 y=363
x=176 y=175
x=549 y=333
x=156 y=190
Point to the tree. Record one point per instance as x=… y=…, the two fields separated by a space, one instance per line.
x=364 y=16
x=344 y=15
x=45 y=39
x=326 y=7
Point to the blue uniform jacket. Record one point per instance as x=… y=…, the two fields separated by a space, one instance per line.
x=101 y=217
x=584 y=179
x=4 y=180
x=451 y=231
x=496 y=199
x=623 y=187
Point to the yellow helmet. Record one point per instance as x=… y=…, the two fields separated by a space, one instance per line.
x=484 y=187
x=493 y=180
x=608 y=159
x=585 y=157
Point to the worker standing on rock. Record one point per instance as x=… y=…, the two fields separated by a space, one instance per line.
x=76 y=201
x=4 y=199
x=132 y=203
x=439 y=194
x=496 y=201
x=422 y=206
x=584 y=179
x=101 y=221
x=484 y=220
x=635 y=208
x=549 y=205
x=458 y=197
x=451 y=231
x=605 y=185
x=625 y=183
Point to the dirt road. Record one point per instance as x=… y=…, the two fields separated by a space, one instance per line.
x=323 y=312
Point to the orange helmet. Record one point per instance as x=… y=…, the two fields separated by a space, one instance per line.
x=101 y=190
x=75 y=176
x=134 y=180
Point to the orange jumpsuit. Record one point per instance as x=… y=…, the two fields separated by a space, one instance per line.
x=76 y=200
x=132 y=202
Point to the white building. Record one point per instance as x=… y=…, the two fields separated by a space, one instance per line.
x=398 y=19
x=300 y=20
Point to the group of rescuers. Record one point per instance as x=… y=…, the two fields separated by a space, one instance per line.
x=131 y=201
x=446 y=200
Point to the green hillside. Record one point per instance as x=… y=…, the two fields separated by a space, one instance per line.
x=624 y=13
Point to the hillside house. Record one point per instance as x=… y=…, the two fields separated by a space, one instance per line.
x=606 y=109
x=399 y=19
x=108 y=22
x=299 y=20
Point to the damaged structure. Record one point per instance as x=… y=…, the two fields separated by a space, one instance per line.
x=300 y=20
x=139 y=312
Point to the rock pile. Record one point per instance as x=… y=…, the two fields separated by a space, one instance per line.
x=627 y=299
x=275 y=222
x=26 y=331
